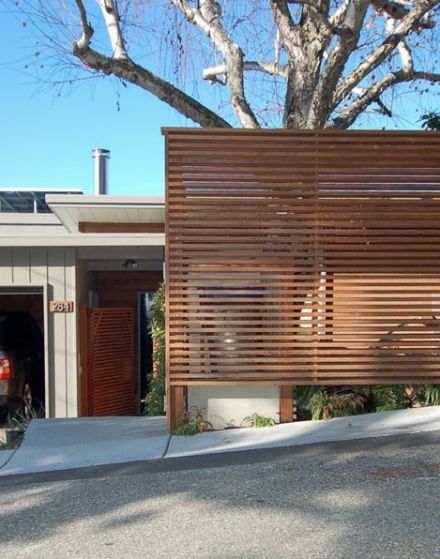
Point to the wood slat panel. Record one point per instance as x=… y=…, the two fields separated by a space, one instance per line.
x=299 y=257
x=112 y=373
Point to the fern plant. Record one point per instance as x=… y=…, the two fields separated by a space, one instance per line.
x=389 y=397
x=432 y=394
x=323 y=405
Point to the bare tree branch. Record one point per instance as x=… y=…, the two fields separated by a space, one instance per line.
x=406 y=26
x=405 y=56
x=372 y=94
x=277 y=47
x=288 y=30
x=87 y=29
x=403 y=49
x=317 y=46
x=305 y=44
x=131 y=72
x=338 y=16
x=111 y=17
x=348 y=38
x=398 y=10
x=207 y=18
x=272 y=68
x=318 y=11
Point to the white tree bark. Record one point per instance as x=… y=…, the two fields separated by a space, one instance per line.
x=111 y=17
x=207 y=18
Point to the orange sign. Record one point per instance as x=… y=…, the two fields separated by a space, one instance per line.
x=60 y=306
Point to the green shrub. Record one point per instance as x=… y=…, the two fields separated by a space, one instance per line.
x=256 y=420
x=186 y=430
x=432 y=394
x=303 y=394
x=321 y=403
x=17 y=424
x=192 y=422
x=325 y=405
x=153 y=401
x=389 y=397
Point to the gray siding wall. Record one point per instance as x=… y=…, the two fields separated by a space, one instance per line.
x=53 y=269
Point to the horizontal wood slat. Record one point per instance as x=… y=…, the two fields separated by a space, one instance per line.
x=302 y=257
x=107 y=227
x=112 y=373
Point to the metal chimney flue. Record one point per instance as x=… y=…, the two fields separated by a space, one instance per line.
x=100 y=157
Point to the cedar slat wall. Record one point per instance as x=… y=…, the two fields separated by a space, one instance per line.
x=300 y=257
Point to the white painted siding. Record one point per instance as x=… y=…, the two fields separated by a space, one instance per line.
x=54 y=270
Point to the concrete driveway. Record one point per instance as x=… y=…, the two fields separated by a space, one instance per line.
x=63 y=444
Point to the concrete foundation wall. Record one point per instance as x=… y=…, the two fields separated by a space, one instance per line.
x=227 y=406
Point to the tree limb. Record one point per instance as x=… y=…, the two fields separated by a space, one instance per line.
x=403 y=49
x=305 y=45
x=338 y=16
x=372 y=61
x=131 y=72
x=111 y=17
x=288 y=30
x=348 y=38
x=87 y=29
x=372 y=94
x=207 y=18
x=271 y=68
x=398 y=10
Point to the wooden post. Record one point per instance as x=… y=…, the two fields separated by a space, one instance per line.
x=175 y=406
x=286 y=404
x=83 y=324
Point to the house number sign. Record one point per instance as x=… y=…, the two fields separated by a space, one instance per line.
x=60 y=306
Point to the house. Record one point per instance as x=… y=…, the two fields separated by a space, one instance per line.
x=84 y=266
x=291 y=258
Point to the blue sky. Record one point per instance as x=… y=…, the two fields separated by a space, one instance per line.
x=46 y=140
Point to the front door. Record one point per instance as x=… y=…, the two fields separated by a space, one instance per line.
x=112 y=378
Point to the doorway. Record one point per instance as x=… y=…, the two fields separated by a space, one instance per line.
x=22 y=351
x=119 y=348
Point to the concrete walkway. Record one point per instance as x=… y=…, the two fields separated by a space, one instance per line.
x=63 y=444
x=309 y=432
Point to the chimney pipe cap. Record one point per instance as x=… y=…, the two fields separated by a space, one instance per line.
x=100 y=152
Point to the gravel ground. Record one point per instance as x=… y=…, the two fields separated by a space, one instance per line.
x=380 y=503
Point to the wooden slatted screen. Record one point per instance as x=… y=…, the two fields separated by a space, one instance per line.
x=112 y=371
x=299 y=257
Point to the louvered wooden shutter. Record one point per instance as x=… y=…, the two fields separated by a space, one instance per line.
x=112 y=365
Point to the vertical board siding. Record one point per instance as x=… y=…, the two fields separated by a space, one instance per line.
x=300 y=257
x=7 y=276
x=57 y=322
x=54 y=269
x=72 y=388
x=20 y=265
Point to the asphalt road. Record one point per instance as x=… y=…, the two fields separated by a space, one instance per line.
x=375 y=498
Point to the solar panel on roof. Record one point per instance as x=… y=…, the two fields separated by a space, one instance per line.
x=28 y=201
